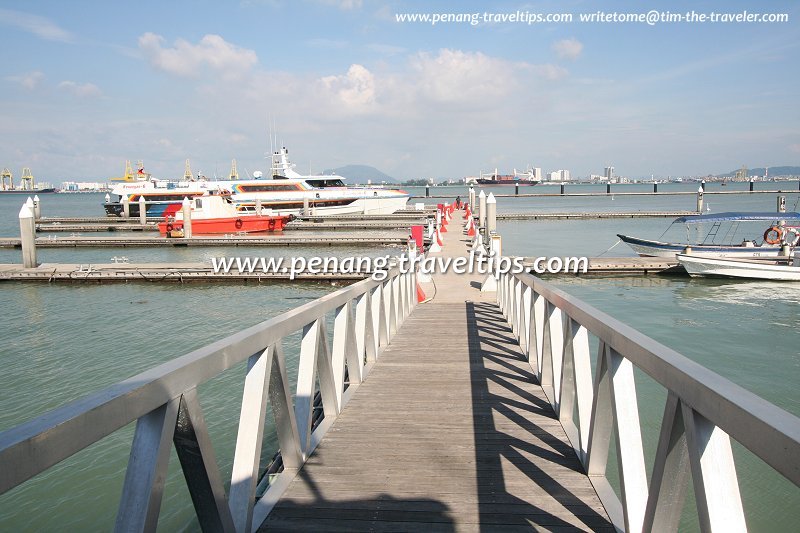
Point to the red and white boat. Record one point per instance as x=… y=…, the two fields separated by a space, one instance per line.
x=217 y=214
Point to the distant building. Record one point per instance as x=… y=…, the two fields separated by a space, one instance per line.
x=558 y=175
x=84 y=186
x=609 y=174
x=537 y=173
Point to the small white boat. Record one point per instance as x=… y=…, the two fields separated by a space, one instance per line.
x=741 y=268
x=775 y=237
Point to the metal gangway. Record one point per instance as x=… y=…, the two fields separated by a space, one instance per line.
x=473 y=411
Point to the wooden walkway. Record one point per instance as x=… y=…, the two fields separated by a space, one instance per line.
x=450 y=432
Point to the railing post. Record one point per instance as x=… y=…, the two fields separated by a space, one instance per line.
x=196 y=455
x=344 y=350
x=716 y=488
x=147 y=469
x=385 y=312
x=556 y=336
x=525 y=319
x=669 y=480
x=246 y=459
x=378 y=323
x=517 y=306
x=539 y=305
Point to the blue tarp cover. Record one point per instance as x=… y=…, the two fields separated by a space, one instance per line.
x=740 y=216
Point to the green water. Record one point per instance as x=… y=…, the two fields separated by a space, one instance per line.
x=744 y=331
x=60 y=342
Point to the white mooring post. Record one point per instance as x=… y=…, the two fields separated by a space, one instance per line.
x=700 y=200
x=142 y=210
x=491 y=215
x=472 y=199
x=37 y=207
x=306 y=208
x=126 y=206
x=481 y=211
x=27 y=233
x=258 y=206
x=187 y=218
x=495 y=252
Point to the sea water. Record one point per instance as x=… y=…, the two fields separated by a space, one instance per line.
x=60 y=342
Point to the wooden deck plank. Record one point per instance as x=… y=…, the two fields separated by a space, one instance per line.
x=450 y=431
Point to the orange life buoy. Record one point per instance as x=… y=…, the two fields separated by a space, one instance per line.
x=238 y=223
x=777 y=231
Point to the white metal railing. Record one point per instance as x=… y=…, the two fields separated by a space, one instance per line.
x=703 y=411
x=164 y=404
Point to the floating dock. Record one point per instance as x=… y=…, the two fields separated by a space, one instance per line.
x=511 y=194
x=228 y=240
x=186 y=272
x=593 y=216
x=156 y=272
x=296 y=225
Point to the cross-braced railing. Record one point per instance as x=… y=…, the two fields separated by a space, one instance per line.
x=703 y=411
x=165 y=406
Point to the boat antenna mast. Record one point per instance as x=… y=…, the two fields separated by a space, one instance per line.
x=187 y=172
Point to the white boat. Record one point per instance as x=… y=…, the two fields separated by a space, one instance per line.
x=774 y=238
x=741 y=268
x=286 y=193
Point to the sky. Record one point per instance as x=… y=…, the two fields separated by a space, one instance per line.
x=87 y=85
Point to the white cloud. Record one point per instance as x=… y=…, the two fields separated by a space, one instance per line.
x=84 y=90
x=568 y=48
x=457 y=76
x=39 y=26
x=356 y=89
x=29 y=80
x=186 y=59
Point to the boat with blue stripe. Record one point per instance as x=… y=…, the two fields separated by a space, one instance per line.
x=780 y=238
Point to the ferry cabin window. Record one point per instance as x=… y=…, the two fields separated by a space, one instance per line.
x=267 y=188
x=326 y=183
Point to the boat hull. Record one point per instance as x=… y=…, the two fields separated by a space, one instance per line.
x=27 y=191
x=483 y=181
x=648 y=248
x=733 y=268
x=228 y=225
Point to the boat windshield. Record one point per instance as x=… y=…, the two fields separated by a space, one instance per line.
x=323 y=183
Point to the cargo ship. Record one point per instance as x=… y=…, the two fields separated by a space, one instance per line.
x=517 y=178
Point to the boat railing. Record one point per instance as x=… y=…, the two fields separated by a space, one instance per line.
x=703 y=411
x=165 y=405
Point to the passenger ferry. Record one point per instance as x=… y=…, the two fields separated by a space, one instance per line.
x=285 y=194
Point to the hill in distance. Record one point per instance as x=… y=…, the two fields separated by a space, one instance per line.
x=759 y=171
x=361 y=174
